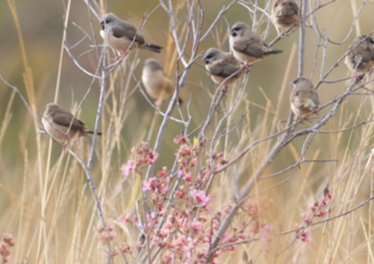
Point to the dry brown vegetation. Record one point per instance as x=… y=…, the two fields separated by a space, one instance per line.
x=65 y=206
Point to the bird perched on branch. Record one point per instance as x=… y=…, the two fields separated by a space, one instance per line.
x=361 y=55
x=121 y=35
x=247 y=46
x=57 y=121
x=222 y=65
x=155 y=82
x=285 y=14
x=304 y=98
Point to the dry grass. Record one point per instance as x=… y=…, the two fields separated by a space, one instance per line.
x=47 y=205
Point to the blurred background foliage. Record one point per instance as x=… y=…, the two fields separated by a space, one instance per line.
x=42 y=28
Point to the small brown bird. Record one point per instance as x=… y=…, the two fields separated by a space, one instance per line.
x=56 y=122
x=120 y=34
x=221 y=65
x=155 y=82
x=285 y=14
x=361 y=55
x=304 y=98
x=247 y=46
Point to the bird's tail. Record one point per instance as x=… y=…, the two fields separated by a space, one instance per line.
x=273 y=52
x=153 y=47
x=91 y=132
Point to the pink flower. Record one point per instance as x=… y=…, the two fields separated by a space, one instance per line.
x=265 y=233
x=150 y=184
x=306 y=220
x=196 y=226
x=152 y=158
x=125 y=219
x=305 y=237
x=200 y=197
x=180 y=139
x=128 y=167
x=114 y=253
x=8 y=239
x=125 y=248
x=322 y=213
x=187 y=176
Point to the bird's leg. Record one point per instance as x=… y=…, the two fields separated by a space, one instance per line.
x=120 y=56
x=65 y=145
x=301 y=119
x=224 y=89
x=246 y=67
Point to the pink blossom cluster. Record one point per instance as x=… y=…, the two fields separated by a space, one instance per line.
x=317 y=210
x=105 y=236
x=185 y=229
x=142 y=156
x=6 y=243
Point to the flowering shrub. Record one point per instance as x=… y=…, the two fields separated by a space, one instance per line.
x=5 y=244
x=181 y=221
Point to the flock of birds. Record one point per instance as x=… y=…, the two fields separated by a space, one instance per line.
x=247 y=48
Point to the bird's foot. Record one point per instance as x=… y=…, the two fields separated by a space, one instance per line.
x=65 y=145
x=224 y=89
x=119 y=57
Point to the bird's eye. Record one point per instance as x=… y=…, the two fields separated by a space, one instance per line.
x=209 y=56
x=236 y=29
x=275 y=5
x=284 y=3
x=297 y=93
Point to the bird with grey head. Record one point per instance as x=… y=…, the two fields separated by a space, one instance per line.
x=121 y=35
x=360 y=58
x=62 y=126
x=304 y=98
x=155 y=82
x=247 y=46
x=285 y=14
x=222 y=66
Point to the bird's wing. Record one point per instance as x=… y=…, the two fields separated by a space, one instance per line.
x=367 y=55
x=248 y=47
x=64 y=119
x=224 y=68
x=315 y=99
x=127 y=30
x=169 y=87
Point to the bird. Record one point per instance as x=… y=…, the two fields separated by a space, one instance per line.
x=155 y=82
x=120 y=35
x=56 y=122
x=361 y=55
x=304 y=98
x=247 y=46
x=285 y=14
x=221 y=65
